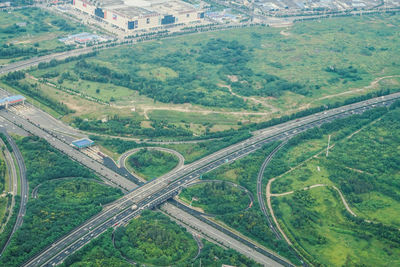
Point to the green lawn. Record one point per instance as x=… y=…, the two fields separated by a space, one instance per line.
x=151 y=164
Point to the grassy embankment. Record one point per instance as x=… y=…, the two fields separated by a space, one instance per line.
x=151 y=164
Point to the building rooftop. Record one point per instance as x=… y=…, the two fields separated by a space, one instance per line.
x=170 y=7
x=137 y=8
x=132 y=11
x=81 y=143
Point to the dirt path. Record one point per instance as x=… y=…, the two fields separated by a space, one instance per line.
x=255 y=100
x=146 y=109
x=271 y=211
x=282 y=32
x=373 y=84
x=346 y=205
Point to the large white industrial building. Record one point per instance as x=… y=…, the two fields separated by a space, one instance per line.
x=141 y=14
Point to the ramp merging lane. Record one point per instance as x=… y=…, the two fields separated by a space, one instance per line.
x=158 y=191
x=23 y=187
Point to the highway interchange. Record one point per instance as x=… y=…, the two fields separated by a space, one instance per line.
x=157 y=191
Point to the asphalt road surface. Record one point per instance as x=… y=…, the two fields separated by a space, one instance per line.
x=212 y=232
x=23 y=186
x=109 y=176
x=157 y=191
x=20 y=65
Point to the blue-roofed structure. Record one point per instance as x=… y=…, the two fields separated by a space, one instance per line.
x=82 y=143
x=10 y=100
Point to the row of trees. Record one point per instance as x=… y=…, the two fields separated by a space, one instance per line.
x=127 y=126
x=183 y=89
x=14 y=79
x=61 y=205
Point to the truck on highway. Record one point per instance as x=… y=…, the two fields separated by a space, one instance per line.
x=134 y=207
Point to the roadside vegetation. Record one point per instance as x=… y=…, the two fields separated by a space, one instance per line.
x=251 y=222
x=32 y=31
x=216 y=198
x=212 y=82
x=60 y=204
x=363 y=164
x=190 y=151
x=101 y=251
x=151 y=164
x=154 y=239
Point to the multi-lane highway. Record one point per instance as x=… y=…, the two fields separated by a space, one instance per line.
x=24 y=64
x=109 y=176
x=23 y=186
x=157 y=191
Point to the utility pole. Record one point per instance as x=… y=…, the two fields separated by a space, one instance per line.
x=327 y=148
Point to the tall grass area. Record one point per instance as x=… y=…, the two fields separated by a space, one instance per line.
x=247 y=75
x=363 y=162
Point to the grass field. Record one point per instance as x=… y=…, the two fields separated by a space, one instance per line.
x=182 y=80
x=151 y=164
x=364 y=165
x=38 y=36
x=329 y=236
x=216 y=198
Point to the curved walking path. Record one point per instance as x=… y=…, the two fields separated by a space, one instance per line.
x=346 y=205
x=260 y=197
x=373 y=84
x=123 y=157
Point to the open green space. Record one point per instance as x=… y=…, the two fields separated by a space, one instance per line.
x=151 y=164
x=60 y=206
x=251 y=222
x=154 y=239
x=363 y=162
x=216 y=198
x=190 y=151
x=317 y=220
x=32 y=31
x=101 y=252
x=246 y=75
